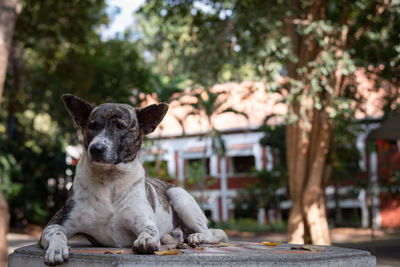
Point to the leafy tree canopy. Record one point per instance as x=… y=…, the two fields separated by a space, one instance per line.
x=214 y=41
x=57 y=49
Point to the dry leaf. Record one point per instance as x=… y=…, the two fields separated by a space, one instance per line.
x=227 y=244
x=167 y=252
x=298 y=248
x=308 y=248
x=270 y=243
x=182 y=246
x=114 y=252
x=199 y=248
x=314 y=248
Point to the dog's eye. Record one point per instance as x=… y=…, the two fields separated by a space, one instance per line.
x=120 y=125
x=93 y=125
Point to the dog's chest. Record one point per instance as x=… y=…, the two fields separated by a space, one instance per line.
x=113 y=219
x=104 y=222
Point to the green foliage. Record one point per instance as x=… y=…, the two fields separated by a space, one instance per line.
x=343 y=155
x=57 y=50
x=32 y=156
x=51 y=28
x=274 y=137
x=194 y=173
x=213 y=41
x=158 y=169
x=103 y=71
x=8 y=166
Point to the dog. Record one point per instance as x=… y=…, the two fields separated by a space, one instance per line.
x=111 y=201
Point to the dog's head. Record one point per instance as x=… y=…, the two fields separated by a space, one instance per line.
x=113 y=132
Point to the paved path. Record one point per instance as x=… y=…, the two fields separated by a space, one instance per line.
x=387 y=252
x=19 y=240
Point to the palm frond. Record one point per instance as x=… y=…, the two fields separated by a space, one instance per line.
x=230 y=109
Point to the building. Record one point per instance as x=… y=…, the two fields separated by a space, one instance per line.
x=182 y=142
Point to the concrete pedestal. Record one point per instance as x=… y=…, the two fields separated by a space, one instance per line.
x=241 y=254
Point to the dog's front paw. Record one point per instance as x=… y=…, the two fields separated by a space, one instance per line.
x=57 y=252
x=146 y=244
x=202 y=238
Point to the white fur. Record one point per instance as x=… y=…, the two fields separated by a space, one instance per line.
x=106 y=197
x=163 y=218
x=187 y=209
x=111 y=205
x=191 y=214
x=54 y=241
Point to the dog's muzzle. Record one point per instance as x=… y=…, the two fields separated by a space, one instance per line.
x=97 y=152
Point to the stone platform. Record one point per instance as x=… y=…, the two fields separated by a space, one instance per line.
x=226 y=254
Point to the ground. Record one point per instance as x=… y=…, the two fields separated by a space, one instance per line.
x=385 y=245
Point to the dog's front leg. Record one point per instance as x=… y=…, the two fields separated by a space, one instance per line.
x=141 y=221
x=148 y=240
x=54 y=241
x=55 y=235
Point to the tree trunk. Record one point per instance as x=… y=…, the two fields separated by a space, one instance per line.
x=307 y=139
x=314 y=196
x=4 y=221
x=306 y=155
x=296 y=161
x=9 y=10
x=14 y=103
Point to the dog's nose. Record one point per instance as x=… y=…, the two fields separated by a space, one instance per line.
x=97 y=149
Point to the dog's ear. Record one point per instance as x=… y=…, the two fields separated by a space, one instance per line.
x=78 y=108
x=149 y=117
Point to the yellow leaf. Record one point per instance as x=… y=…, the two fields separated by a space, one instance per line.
x=270 y=243
x=227 y=244
x=199 y=248
x=167 y=252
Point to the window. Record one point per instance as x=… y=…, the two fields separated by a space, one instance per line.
x=242 y=164
x=197 y=165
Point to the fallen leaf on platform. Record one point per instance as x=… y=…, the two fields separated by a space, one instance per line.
x=114 y=252
x=227 y=244
x=308 y=248
x=314 y=248
x=199 y=248
x=182 y=246
x=167 y=252
x=270 y=243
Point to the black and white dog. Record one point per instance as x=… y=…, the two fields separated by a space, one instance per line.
x=111 y=202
